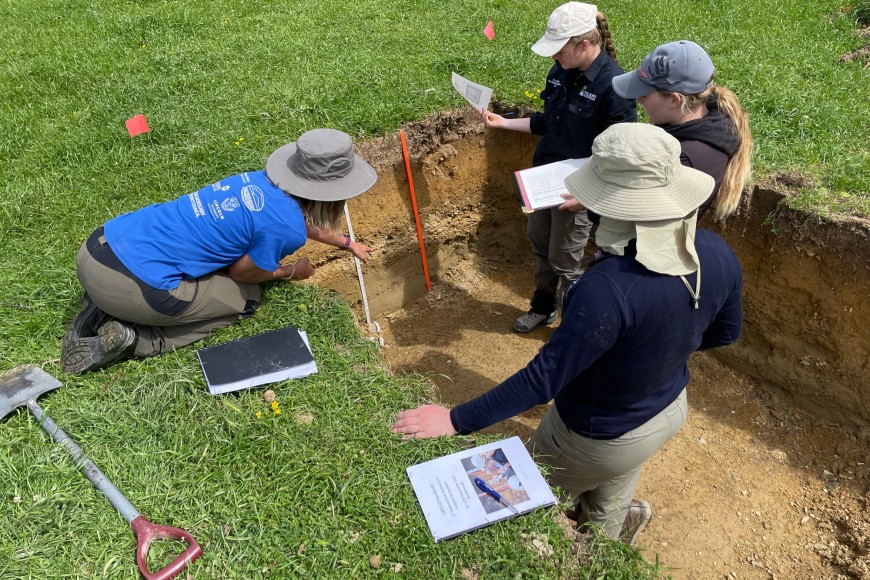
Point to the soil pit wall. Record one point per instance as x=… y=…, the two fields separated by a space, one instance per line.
x=806 y=282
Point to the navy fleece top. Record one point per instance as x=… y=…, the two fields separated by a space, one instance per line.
x=619 y=355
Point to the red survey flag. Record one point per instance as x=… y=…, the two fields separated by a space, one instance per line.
x=489 y=31
x=137 y=125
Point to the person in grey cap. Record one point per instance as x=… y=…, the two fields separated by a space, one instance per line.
x=616 y=367
x=579 y=103
x=674 y=85
x=166 y=275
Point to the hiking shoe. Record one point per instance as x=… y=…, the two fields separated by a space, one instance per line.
x=114 y=341
x=532 y=320
x=87 y=321
x=638 y=516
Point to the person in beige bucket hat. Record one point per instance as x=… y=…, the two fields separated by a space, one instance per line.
x=578 y=103
x=168 y=274
x=616 y=367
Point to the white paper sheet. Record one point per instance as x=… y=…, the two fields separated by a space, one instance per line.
x=478 y=95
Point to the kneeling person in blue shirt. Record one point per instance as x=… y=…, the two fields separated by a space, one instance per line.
x=616 y=367
x=168 y=274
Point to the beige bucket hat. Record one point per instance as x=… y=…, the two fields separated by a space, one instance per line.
x=321 y=165
x=636 y=183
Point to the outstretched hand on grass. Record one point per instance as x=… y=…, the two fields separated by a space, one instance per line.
x=424 y=422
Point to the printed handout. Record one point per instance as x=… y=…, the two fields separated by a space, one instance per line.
x=453 y=504
x=477 y=95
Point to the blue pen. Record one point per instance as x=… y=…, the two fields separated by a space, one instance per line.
x=490 y=491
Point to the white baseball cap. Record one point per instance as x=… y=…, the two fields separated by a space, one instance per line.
x=566 y=21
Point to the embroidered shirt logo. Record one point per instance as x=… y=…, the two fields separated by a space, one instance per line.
x=588 y=95
x=554 y=82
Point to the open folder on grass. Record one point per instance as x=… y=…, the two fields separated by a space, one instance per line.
x=256 y=360
x=454 y=504
x=542 y=186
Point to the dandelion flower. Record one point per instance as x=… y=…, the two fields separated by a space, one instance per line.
x=274 y=404
x=259 y=414
x=277 y=411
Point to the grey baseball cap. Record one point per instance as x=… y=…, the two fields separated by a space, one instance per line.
x=675 y=67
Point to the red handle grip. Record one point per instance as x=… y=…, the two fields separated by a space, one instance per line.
x=146 y=533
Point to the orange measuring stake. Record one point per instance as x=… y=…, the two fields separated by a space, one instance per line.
x=416 y=213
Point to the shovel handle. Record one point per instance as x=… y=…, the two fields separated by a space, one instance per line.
x=146 y=533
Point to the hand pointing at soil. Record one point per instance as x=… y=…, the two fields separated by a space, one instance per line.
x=424 y=422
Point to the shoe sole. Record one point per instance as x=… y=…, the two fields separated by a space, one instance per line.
x=89 y=354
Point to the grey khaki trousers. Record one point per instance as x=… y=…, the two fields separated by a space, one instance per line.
x=601 y=475
x=216 y=301
x=558 y=239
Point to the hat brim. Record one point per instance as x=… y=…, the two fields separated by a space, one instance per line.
x=683 y=194
x=548 y=47
x=359 y=180
x=630 y=86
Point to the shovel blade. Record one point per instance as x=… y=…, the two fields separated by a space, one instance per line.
x=22 y=384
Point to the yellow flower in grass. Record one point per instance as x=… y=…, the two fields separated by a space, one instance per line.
x=277 y=411
x=274 y=405
x=259 y=414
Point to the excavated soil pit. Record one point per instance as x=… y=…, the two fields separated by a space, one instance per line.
x=770 y=477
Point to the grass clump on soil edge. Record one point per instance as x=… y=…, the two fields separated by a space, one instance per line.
x=315 y=490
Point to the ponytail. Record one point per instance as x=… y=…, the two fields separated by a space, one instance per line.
x=600 y=36
x=739 y=166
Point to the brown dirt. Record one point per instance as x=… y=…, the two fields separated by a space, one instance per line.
x=753 y=486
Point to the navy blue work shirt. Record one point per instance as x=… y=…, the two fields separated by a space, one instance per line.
x=578 y=106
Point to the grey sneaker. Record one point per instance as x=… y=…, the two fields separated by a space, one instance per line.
x=114 y=341
x=532 y=320
x=639 y=515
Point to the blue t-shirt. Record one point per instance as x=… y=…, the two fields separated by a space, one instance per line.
x=207 y=230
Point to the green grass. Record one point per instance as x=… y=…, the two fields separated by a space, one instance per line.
x=271 y=496
x=223 y=83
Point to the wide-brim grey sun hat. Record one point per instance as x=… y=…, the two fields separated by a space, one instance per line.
x=635 y=174
x=322 y=166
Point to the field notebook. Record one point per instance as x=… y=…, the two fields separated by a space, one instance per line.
x=542 y=186
x=257 y=360
x=453 y=503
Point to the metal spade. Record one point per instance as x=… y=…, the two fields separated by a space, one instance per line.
x=22 y=386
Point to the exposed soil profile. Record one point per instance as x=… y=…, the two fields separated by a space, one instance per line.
x=770 y=477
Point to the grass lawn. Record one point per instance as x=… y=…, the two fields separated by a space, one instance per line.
x=224 y=83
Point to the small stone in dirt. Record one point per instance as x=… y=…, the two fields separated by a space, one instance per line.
x=269 y=396
x=375 y=561
x=397 y=568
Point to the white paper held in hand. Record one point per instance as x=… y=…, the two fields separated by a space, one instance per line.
x=478 y=95
x=542 y=187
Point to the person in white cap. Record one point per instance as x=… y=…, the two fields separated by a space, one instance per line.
x=166 y=275
x=616 y=367
x=579 y=103
x=674 y=84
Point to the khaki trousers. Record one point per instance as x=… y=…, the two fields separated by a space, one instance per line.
x=601 y=475
x=216 y=301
